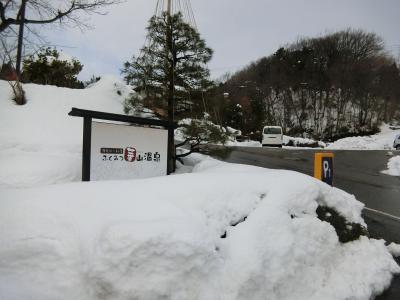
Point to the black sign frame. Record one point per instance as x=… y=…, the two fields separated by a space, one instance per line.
x=89 y=115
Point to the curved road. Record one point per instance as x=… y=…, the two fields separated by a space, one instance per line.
x=357 y=172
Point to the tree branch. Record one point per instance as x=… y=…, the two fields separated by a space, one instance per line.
x=75 y=6
x=182 y=144
x=193 y=148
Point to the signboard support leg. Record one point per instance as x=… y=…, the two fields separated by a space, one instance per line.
x=171 y=152
x=87 y=140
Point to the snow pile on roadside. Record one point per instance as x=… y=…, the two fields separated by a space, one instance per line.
x=223 y=231
x=249 y=143
x=393 y=166
x=381 y=141
x=394 y=249
x=289 y=141
x=40 y=143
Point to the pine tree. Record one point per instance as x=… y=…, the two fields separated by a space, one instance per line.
x=172 y=64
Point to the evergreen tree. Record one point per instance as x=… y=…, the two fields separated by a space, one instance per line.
x=171 y=65
x=234 y=115
x=47 y=67
x=199 y=132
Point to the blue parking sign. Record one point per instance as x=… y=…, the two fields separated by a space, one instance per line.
x=323 y=167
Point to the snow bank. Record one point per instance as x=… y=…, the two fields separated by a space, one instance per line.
x=40 y=143
x=223 y=231
x=288 y=142
x=295 y=142
x=243 y=144
x=381 y=141
x=393 y=166
x=394 y=249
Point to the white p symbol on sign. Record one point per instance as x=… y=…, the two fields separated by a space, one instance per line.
x=327 y=170
x=323 y=167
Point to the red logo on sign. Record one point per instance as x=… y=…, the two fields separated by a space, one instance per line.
x=130 y=154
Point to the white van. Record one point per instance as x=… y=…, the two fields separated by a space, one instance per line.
x=396 y=143
x=272 y=136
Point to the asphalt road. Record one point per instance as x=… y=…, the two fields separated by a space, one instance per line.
x=357 y=172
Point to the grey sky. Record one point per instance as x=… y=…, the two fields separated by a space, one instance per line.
x=238 y=31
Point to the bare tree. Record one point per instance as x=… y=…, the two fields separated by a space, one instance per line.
x=22 y=13
x=49 y=11
x=8 y=45
x=328 y=87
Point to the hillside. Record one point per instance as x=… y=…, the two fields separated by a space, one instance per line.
x=40 y=143
x=329 y=87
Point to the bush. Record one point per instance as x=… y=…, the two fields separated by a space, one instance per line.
x=47 y=67
x=346 y=231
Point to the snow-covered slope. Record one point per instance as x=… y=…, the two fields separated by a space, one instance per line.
x=224 y=231
x=381 y=141
x=40 y=143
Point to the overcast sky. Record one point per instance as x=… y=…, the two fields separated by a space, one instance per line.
x=238 y=31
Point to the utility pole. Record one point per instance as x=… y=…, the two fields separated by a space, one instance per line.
x=21 y=16
x=171 y=88
x=169 y=8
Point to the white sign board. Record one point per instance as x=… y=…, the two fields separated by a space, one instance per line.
x=126 y=152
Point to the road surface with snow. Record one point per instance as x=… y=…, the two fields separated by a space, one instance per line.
x=356 y=172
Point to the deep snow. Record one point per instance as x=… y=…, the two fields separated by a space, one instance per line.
x=394 y=249
x=40 y=143
x=160 y=238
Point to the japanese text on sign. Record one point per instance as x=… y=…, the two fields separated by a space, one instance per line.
x=124 y=152
x=129 y=154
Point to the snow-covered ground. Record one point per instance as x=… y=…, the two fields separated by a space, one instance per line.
x=174 y=238
x=381 y=141
x=393 y=166
x=40 y=143
x=212 y=231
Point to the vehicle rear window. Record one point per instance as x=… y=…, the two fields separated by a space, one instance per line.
x=272 y=130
